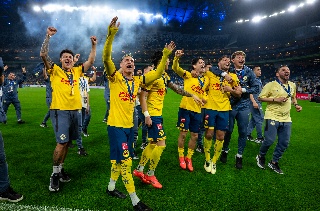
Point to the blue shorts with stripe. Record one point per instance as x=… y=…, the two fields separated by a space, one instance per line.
x=120 y=140
x=218 y=120
x=189 y=120
x=156 y=131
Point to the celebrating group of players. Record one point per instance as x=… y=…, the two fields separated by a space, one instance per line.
x=224 y=95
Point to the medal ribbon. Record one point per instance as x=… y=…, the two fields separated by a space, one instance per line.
x=130 y=90
x=285 y=89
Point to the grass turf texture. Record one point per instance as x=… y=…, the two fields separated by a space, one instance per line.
x=29 y=150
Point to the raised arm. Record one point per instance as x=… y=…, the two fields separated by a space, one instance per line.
x=92 y=55
x=109 y=66
x=154 y=75
x=45 y=47
x=94 y=76
x=175 y=65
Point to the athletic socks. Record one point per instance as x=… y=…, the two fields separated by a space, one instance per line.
x=207 y=146
x=217 y=150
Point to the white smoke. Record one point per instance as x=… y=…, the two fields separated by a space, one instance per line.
x=75 y=25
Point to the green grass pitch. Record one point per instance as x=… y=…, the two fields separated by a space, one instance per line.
x=29 y=151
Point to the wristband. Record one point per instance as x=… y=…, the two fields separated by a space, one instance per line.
x=146 y=114
x=273 y=100
x=223 y=74
x=243 y=90
x=296 y=104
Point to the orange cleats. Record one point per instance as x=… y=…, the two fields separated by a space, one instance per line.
x=153 y=181
x=189 y=164
x=140 y=175
x=182 y=163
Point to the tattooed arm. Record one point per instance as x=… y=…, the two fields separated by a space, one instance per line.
x=45 y=48
x=177 y=89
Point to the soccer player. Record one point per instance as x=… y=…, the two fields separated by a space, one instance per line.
x=279 y=95
x=202 y=128
x=151 y=99
x=256 y=111
x=6 y=191
x=66 y=102
x=240 y=107
x=189 y=116
x=123 y=91
x=217 y=111
x=48 y=96
x=10 y=92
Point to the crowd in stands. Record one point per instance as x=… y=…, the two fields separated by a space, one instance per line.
x=299 y=55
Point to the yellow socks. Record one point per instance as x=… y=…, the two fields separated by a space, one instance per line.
x=181 y=152
x=207 y=146
x=217 y=150
x=127 y=176
x=146 y=154
x=155 y=156
x=190 y=153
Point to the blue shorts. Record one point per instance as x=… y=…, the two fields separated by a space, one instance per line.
x=65 y=125
x=218 y=120
x=189 y=120
x=156 y=131
x=120 y=140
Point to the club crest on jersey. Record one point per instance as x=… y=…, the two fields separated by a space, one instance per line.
x=124 y=146
x=245 y=78
x=183 y=120
x=272 y=123
x=159 y=126
x=206 y=117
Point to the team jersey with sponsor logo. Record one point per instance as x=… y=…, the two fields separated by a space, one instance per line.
x=156 y=93
x=123 y=94
x=196 y=86
x=218 y=100
x=65 y=88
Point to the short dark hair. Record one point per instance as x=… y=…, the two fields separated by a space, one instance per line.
x=283 y=65
x=223 y=56
x=156 y=58
x=66 y=51
x=195 y=60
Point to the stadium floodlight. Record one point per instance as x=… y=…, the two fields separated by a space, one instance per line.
x=283 y=11
x=292 y=8
x=310 y=1
x=239 y=21
x=301 y=5
x=256 y=19
x=246 y=20
x=36 y=8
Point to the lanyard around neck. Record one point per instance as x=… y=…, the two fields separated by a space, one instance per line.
x=285 y=89
x=130 y=89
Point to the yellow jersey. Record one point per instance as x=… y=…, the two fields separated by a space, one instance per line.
x=219 y=100
x=278 y=111
x=196 y=86
x=65 y=88
x=156 y=93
